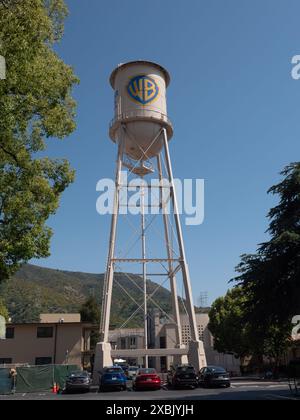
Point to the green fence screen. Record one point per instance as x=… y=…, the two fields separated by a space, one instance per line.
x=6 y=383
x=34 y=379
x=61 y=372
x=41 y=378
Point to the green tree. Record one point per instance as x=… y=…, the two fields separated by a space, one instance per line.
x=227 y=324
x=35 y=104
x=271 y=276
x=3 y=310
x=234 y=331
x=90 y=311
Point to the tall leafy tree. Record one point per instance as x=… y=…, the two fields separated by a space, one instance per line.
x=227 y=324
x=255 y=317
x=271 y=276
x=35 y=104
x=234 y=332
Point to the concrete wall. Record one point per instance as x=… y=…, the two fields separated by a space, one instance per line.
x=129 y=339
x=167 y=330
x=25 y=347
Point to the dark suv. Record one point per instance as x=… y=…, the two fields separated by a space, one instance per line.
x=182 y=376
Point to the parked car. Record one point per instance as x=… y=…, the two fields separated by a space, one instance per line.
x=214 y=376
x=113 y=378
x=78 y=381
x=125 y=370
x=132 y=372
x=182 y=376
x=146 y=379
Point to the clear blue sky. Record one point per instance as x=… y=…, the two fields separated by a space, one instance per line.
x=235 y=108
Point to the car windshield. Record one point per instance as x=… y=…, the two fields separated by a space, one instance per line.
x=112 y=374
x=185 y=369
x=216 y=369
x=113 y=370
x=78 y=373
x=133 y=369
x=147 y=372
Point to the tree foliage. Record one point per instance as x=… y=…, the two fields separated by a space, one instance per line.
x=90 y=311
x=234 y=331
x=3 y=311
x=271 y=276
x=227 y=324
x=35 y=104
x=255 y=317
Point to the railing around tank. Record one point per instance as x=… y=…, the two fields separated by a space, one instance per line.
x=139 y=114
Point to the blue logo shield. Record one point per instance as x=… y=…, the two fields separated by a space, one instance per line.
x=143 y=89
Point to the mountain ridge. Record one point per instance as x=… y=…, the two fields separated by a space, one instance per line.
x=34 y=290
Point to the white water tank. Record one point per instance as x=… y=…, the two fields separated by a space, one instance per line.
x=141 y=106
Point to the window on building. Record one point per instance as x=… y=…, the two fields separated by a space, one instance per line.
x=42 y=361
x=10 y=333
x=186 y=334
x=113 y=345
x=45 y=332
x=132 y=342
x=5 y=361
x=163 y=364
x=163 y=342
x=123 y=343
x=201 y=332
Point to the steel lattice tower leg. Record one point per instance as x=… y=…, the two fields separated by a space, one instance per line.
x=196 y=354
x=173 y=283
x=103 y=349
x=196 y=350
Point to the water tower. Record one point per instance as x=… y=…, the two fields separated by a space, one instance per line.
x=142 y=131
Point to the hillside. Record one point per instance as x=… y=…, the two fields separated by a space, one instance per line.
x=34 y=290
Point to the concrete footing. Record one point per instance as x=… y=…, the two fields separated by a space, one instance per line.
x=181 y=359
x=196 y=355
x=102 y=358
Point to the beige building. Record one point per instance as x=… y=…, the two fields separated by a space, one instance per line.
x=64 y=339
x=128 y=339
x=57 y=339
x=163 y=336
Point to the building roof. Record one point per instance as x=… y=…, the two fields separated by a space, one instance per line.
x=47 y=324
x=63 y=317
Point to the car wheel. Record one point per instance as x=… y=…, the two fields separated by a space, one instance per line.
x=228 y=386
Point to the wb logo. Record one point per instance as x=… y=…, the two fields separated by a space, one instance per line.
x=143 y=89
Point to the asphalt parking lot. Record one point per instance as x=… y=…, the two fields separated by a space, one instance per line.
x=238 y=391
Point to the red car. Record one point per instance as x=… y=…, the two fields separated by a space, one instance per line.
x=147 y=379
